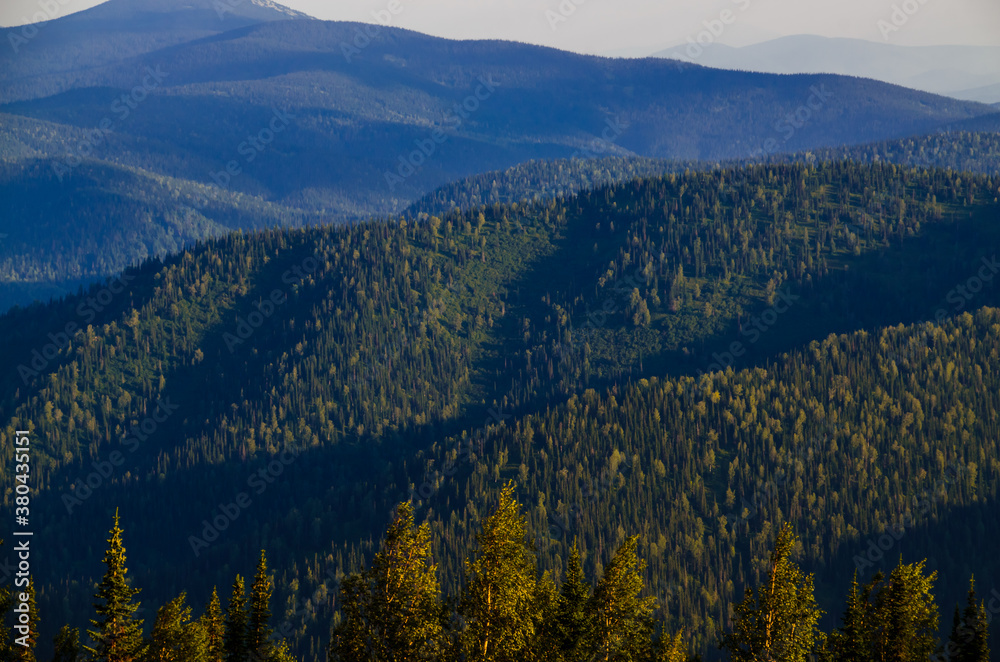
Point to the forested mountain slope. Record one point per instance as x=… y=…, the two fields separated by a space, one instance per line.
x=362 y=355
x=44 y=58
x=355 y=107
x=102 y=218
x=177 y=212
x=965 y=150
x=975 y=151
x=293 y=119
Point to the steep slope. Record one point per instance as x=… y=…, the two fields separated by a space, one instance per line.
x=99 y=218
x=45 y=58
x=963 y=151
x=340 y=121
x=976 y=151
x=354 y=123
x=329 y=372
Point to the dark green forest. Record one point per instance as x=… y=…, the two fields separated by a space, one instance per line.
x=394 y=609
x=974 y=149
x=61 y=232
x=695 y=359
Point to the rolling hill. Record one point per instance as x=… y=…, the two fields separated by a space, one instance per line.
x=661 y=345
x=963 y=72
x=292 y=121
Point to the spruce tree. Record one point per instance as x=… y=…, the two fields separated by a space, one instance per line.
x=175 y=637
x=573 y=623
x=281 y=653
x=259 y=643
x=904 y=619
x=852 y=640
x=953 y=646
x=67 y=645
x=393 y=609
x=500 y=587
x=671 y=649
x=352 y=641
x=235 y=640
x=215 y=629
x=117 y=633
x=969 y=640
x=544 y=646
x=776 y=622
x=622 y=623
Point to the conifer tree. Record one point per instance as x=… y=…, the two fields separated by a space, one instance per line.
x=351 y=639
x=776 y=622
x=67 y=645
x=500 y=587
x=622 y=623
x=852 y=640
x=969 y=640
x=175 y=637
x=671 y=649
x=280 y=653
x=905 y=618
x=6 y=604
x=573 y=623
x=544 y=646
x=235 y=640
x=215 y=629
x=259 y=643
x=117 y=633
x=954 y=644
x=393 y=609
x=27 y=653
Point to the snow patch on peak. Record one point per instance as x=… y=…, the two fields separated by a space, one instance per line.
x=274 y=6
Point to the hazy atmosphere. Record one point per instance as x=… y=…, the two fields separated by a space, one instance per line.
x=637 y=27
x=499 y=331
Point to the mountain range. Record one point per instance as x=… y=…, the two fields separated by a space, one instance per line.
x=186 y=116
x=290 y=273
x=963 y=72
x=648 y=357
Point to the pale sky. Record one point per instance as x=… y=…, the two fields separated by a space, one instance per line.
x=639 y=27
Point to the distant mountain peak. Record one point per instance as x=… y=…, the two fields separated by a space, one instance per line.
x=266 y=5
x=964 y=72
x=256 y=10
